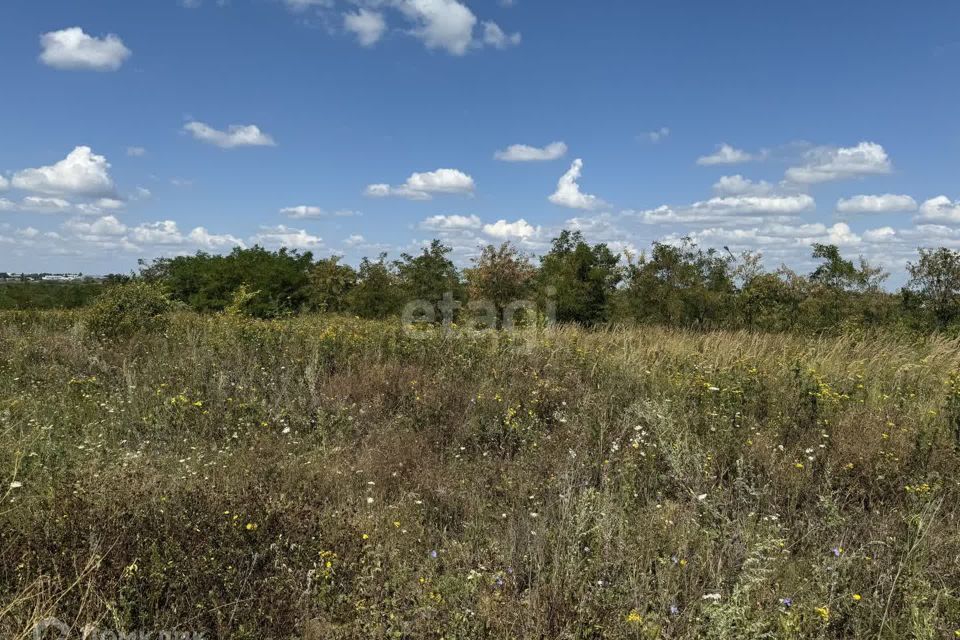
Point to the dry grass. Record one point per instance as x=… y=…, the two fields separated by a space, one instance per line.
x=335 y=478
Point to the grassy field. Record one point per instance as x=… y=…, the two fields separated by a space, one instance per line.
x=332 y=478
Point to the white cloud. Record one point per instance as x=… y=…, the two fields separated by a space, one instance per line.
x=4 y=184
x=730 y=209
x=283 y=236
x=81 y=173
x=738 y=185
x=354 y=240
x=107 y=226
x=36 y=204
x=167 y=233
x=368 y=26
x=521 y=229
x=236 y=135
x=883 y=234
x=75 y=50
x=886 y=203
x=136 y=152
x=495 y=37
x=940 y=209
x=451 y=223
x=441 y=24
x=657 y=135
x=825 y=164
x=725 y=154
x=568 y=192
x=422 y=186
x=306 y=211
x=526 y=153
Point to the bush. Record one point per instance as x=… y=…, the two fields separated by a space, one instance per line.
x=126 y=309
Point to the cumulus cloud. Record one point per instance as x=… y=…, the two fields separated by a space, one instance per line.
x=725 y=154
x=886 y=203
x=520 y=230
x=236 y=135
x=940 y=209
x=526 y=153
x=368 y=26
x=422 y=186
x=441 y=24
x=494 y=36
x=826 y=164
x=81 y=173
x=742 y=208
x=136 y=152
x=283 y=236
x=737 y=185
x=4 y=184
x=72 y=49
x=38 y=204
x=451 y=223
x=568 y=192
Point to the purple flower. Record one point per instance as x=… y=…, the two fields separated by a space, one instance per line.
x=674 y=609
x=499 y=582
x=786 y=602
x=433 y=554
x=837 y=551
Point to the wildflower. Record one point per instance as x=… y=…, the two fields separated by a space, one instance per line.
x=365 y=537
x=433 y=554
x=251 y=526
x=674 y=609
x=824 y=613
x=712 y=596
x=837 y=551
x=786 y=602
x=634 y=617
x=857 y=597
x=16 y=484
x=369 y=500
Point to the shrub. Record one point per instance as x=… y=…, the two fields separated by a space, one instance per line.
x=126 y=309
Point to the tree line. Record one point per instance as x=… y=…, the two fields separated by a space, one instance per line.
x=680 y=285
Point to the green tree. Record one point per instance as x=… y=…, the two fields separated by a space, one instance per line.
x=579 y=279
x=934 y=286
x=330 y=284
x=429 y=276
x=500 y=275
x=377 y=291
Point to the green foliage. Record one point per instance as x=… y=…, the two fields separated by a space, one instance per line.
x=126 y=309
x=501 y=276
x=377 y=293
x=429 y=276
x=330 y=284
x=934 y=286
x=207 y=282
x=48 y=295
x=579 y=279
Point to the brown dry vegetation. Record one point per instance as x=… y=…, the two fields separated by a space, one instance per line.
x=340 y=479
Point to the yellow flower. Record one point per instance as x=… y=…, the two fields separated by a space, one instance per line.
x=824 y=613
x=251 y=526
x=634 y=617
x=365 y=537
x=857 y=597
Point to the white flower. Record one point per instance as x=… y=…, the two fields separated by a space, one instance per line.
x=16 y=484
x=286 y=430
x=369 y=500
x=712 y=596
x=702 y=497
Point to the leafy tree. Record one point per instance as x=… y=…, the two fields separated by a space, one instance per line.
x=330 y=283
x=935 y=285
x=500 y=275
x=583 y=278
x=377 y=291
x=207 y=282
x=680 y=284
x=429 y=276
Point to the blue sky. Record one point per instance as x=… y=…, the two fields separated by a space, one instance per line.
x=138 y=129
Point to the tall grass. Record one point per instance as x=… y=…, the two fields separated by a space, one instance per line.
x=333 y=478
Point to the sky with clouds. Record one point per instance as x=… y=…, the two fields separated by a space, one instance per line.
x=138 y=129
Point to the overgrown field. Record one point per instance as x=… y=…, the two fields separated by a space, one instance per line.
x=333 y=478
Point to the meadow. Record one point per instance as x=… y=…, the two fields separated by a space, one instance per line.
x=326 y=477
